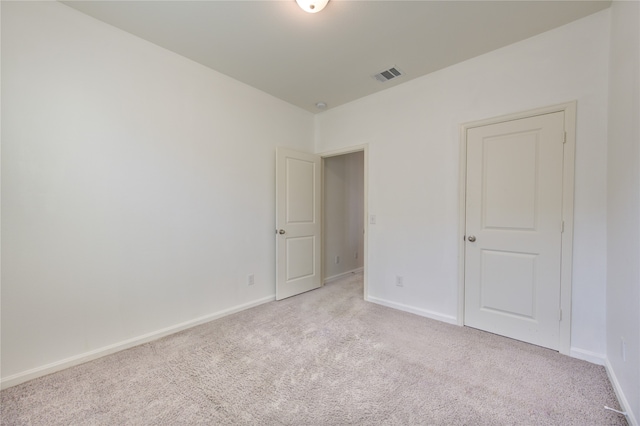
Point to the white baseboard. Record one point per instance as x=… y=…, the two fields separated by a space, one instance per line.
x=592 y=357
x=412 y=309
x=34 y=373
x=622 y=399
x=342 y=275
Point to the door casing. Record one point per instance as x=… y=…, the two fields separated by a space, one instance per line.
x=568 y=184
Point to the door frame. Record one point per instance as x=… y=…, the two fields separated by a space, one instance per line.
x=568 y=185
x=365 y=255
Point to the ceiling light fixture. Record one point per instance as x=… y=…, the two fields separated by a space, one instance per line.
x=321 y=105
x=312 y=6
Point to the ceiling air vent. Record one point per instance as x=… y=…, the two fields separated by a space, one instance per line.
x=387 y=75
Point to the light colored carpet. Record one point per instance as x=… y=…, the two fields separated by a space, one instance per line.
x=322 y=358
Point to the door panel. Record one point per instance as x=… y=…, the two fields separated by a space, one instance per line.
x=514 y=216
x=508 y=284
x=509 y=181
x=300 y=190
x=298 y=222
x=300 y=257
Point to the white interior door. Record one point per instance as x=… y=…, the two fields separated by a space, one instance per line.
x=298 y=222
x=513 y=228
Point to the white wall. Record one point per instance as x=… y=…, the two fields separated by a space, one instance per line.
x=343 y=213
x=137 y=187
x=623 y=215
x=413 y=136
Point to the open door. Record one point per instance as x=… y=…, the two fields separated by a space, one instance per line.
x=298 y=222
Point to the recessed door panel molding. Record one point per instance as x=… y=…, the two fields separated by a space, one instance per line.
x=510 y=175
x=298 y=222
x=513 y=227
x=508 y=284
x=300 y=255
x=300 y=191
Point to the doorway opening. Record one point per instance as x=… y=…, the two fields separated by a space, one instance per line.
x=344 y=215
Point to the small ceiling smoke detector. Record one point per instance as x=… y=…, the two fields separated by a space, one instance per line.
x=321 y=105
x=312 y=6
x=386 y=75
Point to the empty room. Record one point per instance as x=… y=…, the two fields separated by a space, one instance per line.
x=329 y=212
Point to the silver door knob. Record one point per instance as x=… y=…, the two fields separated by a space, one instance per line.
x=282 y=231
x=472 y=239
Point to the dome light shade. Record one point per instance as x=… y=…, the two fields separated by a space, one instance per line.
x=312 y=6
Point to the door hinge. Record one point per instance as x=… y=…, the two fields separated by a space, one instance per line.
x=565 y=138
x=562 y=227
x=560 y=315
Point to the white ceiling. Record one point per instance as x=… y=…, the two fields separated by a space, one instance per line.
x=330 y=56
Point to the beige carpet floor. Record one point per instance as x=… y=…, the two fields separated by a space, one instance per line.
x=322 y=358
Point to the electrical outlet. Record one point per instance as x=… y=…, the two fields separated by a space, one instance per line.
x=337 y=259
x=250 y=279
x=372 y=219
x=399 y=281
x=623 y=349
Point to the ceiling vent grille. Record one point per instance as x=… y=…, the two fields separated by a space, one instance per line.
x=386 y=75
